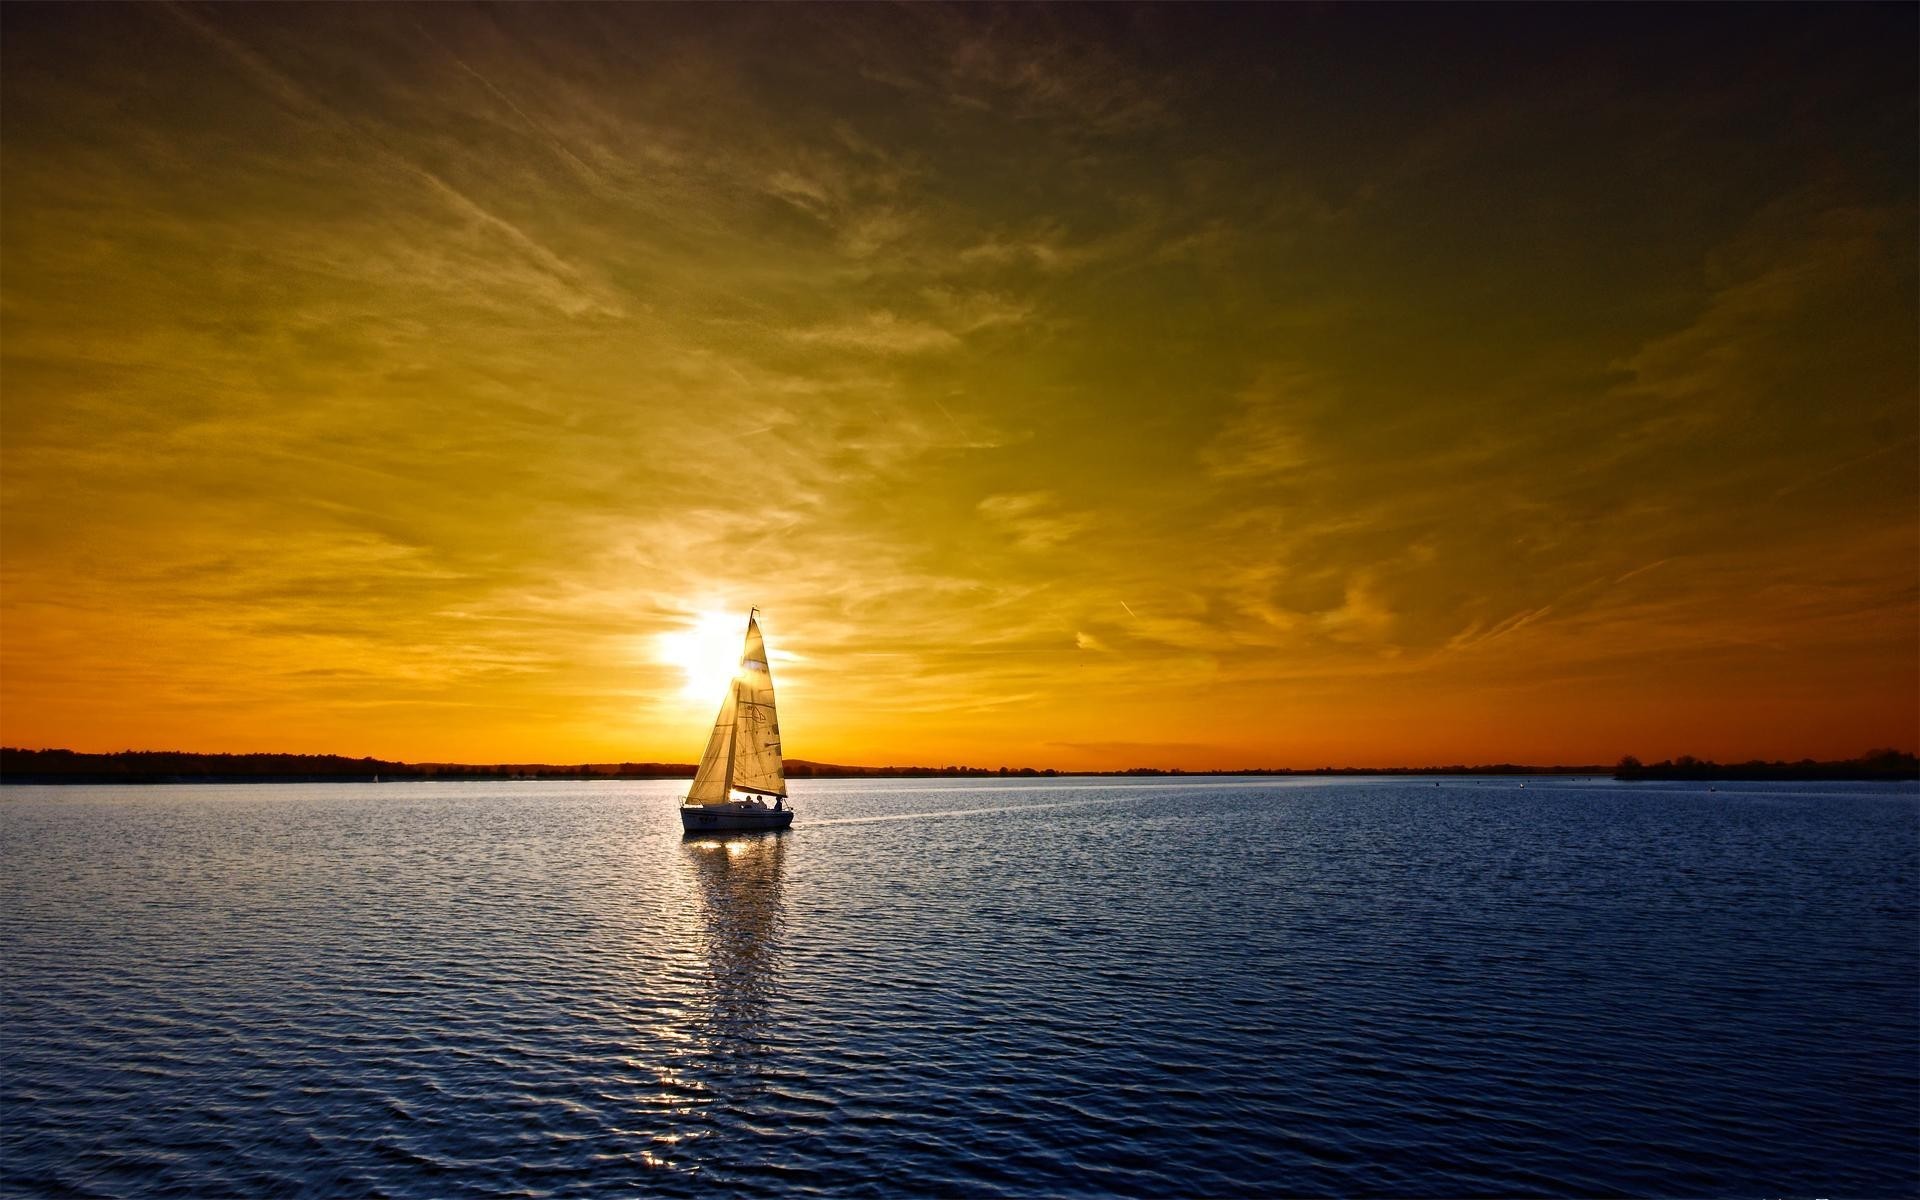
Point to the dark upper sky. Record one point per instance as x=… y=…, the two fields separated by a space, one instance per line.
x=1084 y=385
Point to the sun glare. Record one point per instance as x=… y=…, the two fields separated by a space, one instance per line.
x=707 y=650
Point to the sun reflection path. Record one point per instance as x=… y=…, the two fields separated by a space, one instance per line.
x=704 y=1070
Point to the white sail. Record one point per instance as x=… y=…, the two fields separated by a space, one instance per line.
x=756 y=757
x=710 y=782
x=743 y=751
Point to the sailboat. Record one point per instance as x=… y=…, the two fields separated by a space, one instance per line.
x=743 y=753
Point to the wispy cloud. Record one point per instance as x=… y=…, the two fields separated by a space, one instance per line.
x=879 y=333
x=1033 y=519
x=1265 y=437
x=584 y=297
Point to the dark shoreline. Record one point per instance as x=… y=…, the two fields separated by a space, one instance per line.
x=1876 y=766
x=18 y=766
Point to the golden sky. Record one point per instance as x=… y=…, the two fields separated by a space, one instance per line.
x=1073 y=387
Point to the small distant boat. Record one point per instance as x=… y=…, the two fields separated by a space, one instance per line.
x=742 y=769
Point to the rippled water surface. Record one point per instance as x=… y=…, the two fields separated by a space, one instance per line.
x=1061 y=987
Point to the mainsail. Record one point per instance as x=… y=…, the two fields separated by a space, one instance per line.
x=743 y=753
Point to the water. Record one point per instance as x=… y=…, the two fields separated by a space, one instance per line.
x=1058 y=987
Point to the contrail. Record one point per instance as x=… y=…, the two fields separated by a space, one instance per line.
x=1845 y=466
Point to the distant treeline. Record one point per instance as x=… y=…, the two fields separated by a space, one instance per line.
x=1873 y=765
x=171 y=766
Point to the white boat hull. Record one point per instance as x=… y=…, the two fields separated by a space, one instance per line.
x=714 y=818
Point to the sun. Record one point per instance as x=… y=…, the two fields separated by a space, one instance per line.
x=707 y=649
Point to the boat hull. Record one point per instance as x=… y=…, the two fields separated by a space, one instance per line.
x=715 y=818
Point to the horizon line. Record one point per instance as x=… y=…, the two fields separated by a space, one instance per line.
x=813 y=768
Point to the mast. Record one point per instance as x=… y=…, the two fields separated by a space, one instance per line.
x=733 y=739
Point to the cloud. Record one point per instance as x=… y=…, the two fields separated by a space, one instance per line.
x=1047 y=250
x=1032 y=519
x=1747 y=344
x=583 y=295
x=971 y=311
x=1033 y=72
x=879 y=333
x=1265 y=437
x=803 y=193
x=1362 y=616
x=954 y=315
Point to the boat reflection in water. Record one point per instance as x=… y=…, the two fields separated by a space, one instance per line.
x=737 y=881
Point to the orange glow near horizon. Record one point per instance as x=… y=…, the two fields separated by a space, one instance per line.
x=1086 y=388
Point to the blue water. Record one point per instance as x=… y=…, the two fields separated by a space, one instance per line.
x=1222 y=987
